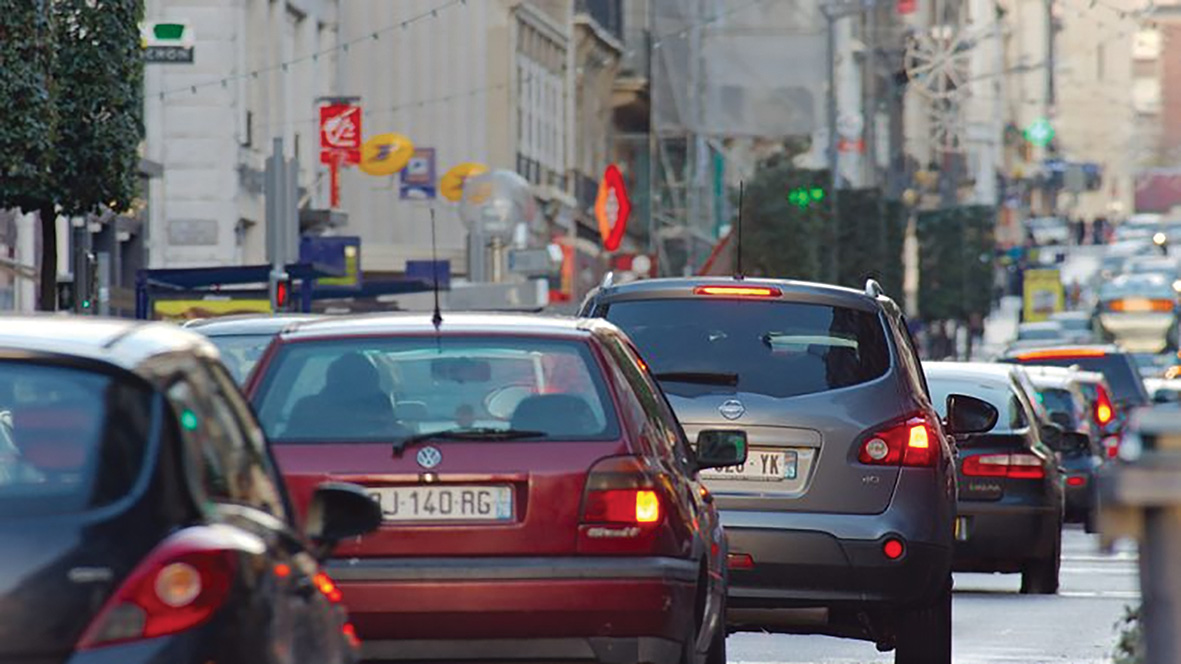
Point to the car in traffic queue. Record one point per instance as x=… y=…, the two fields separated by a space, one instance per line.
x=142 y=518
x=540 y=499
x=841 y=521
x=1038 y=335
x=1076 y=326
x=1048 y=231
x=1139 y=312
x=242 y=338
x=1011 y=505
x=1080 y=446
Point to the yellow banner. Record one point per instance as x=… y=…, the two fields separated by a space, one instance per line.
x=182 y=310
x=1043 y=294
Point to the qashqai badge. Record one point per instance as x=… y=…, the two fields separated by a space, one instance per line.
x=732 y=409
x=429 y=457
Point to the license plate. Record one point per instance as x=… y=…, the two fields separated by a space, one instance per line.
x=445 y=503
x=760 y=466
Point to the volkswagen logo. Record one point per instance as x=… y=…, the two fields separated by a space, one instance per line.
x=429 y=457
x=732 y=409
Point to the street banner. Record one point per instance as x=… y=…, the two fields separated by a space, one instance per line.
x=1043 y=294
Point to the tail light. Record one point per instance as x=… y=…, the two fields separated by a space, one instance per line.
x=1136 y=305
x=180 y=585
x=1104 y=411
x=1019 y=466
x=1060 y=354
x=910 y=443
x=623 y=506
x=738 y=291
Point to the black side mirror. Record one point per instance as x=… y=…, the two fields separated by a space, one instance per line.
x=1061 y=419
x=720 y=448
x=338 y=511
x=1076 y=442
x=1053 y=435
x=967 y=414
x=1164 y=396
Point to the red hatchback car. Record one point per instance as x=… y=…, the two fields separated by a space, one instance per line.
x=540 y=500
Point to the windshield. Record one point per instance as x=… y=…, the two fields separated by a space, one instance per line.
x=778 y=349
x=241 y=352
x=389 y=389
x=1117 y=368
x=69 y=439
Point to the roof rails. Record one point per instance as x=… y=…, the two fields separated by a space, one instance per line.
x=873 y=288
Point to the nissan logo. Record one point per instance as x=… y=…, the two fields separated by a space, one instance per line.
x=732 y=409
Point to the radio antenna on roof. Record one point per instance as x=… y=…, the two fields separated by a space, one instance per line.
x=437 y=318
x=738 y=247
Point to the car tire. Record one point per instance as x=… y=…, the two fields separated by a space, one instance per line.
x=717 y=645
x=1040 y=577
x=924 y=635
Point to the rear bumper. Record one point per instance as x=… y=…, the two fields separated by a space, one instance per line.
x=1000 y=537
x=602 y=609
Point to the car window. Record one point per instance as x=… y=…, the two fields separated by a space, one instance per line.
x=652 y=400
x=1117 y=368
x=778 y=349
x=379 y=389
x=70 y=439
x=1058 y=400
x=241 y=352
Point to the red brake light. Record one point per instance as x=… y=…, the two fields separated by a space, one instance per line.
x=327 y=587
x=350 y=634
x=1104 y=412
x=180 y=585
x=740 y=561
x=906 y=444
x=738 y=291
x=623 y=506
x=893 y=549
x=1061 y=354
x=1019 y=466
x=1076 y=480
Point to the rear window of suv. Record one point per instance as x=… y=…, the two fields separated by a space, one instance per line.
x=1118 y=368
x=70 y=439
x=779 y=349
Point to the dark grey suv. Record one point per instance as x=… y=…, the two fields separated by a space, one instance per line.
x=841 y=521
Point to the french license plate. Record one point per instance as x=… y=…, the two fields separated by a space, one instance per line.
x=760 y=466
x=444 y=503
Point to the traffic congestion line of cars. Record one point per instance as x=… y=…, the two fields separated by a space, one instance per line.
x=686 y=459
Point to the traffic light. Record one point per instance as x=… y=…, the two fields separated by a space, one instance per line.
x=88 y=294
x=803 y=197
x=65 y=293
x=279 y=288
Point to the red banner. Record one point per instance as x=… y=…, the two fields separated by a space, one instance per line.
x=340 y=134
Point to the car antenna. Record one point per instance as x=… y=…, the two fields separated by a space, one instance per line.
x=437 y=318
x=738 y=249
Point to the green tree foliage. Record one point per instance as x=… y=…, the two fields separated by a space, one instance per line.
x=782 y=237
x=71 y=76
x=862 y=237
x=955 y=262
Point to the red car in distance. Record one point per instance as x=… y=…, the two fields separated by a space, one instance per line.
x=540 y=499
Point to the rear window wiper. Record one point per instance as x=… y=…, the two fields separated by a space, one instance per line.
x=703 y=377
x=466 y=433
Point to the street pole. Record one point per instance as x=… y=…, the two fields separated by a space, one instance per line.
x=1140 y=498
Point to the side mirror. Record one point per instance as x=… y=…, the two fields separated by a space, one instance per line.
x=1061 y=419
x=967 y=414
x=337 y=512
x=1053 y=435
x=1075 y=441
x=719 y=449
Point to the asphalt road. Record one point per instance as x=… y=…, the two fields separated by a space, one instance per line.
x=993 y=623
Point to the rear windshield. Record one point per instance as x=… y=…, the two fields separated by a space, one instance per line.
x=779 y=349
x=387 y=389
x=1118 y=369
x=240 y=352
x=1059 y=401
x=70 y=439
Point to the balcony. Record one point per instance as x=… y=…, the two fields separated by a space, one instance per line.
x=607 y=13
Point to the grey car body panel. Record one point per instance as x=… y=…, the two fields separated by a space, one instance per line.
x=816 y=542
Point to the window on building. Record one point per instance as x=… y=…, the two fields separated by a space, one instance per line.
x=541 y=121
x=1146 y=95
x=1100 y=56
x=1146 y=45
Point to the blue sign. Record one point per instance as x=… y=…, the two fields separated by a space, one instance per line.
x=428 y=271
x=418 y=179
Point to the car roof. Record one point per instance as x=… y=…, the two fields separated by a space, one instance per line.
x=985 y=371
x=382 y=324
x=1070 y=315
x=126 y=344
x=247 y=324
x=792 y=291
x=1041 y=325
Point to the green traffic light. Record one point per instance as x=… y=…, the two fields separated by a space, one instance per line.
x=1040 y=132
x=803 y=197
x=85 y=304
x=817 y=194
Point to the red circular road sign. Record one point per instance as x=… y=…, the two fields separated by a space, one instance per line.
x=612 y=208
